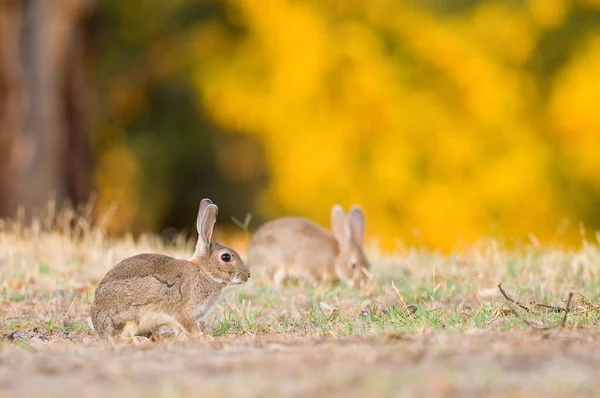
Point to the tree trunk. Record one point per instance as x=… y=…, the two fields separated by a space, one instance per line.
x=43 y=116
x=10 y=98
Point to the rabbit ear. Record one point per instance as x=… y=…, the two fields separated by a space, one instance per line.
x=356 y=220
x=203 y=204
x=207 y=216
x=339 y=225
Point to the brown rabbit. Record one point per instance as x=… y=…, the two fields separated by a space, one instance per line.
x=148 y=292
x=298 y=247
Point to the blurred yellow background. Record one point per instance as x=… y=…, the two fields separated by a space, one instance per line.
x=447 y=121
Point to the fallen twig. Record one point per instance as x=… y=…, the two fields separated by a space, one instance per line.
x=410 y=308
x=564 y=321
x=528 y=322
x=69 y=309
x=512 y=300
x=550 y=307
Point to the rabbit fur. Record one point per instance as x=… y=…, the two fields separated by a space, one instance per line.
x=150 y=292
x=298 y=247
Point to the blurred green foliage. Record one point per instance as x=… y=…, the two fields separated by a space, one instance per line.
x=157 y=148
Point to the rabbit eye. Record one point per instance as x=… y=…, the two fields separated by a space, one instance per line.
x=226 y=257
x=353 y=265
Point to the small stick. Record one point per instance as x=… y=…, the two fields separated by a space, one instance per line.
x=69 y=310
x=408 y=308
x=14 y=308
x=564 y=321
x=550 y=307
x=510 y=299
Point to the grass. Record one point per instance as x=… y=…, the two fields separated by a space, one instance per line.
x=420 y=308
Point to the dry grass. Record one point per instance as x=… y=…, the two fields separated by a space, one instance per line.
x=427 y=324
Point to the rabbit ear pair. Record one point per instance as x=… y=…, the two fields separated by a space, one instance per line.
x=207 y=216
x=348 y=229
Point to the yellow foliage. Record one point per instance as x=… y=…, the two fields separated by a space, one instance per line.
x=437 y=122
x=575 y=111
x=117 y=173
x=426 y=121
x=549 y=13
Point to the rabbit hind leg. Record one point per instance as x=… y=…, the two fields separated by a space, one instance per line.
x=130 y=330
x=161 y=325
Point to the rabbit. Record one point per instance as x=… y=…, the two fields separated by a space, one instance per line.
x=298 y=247
x=150 y=292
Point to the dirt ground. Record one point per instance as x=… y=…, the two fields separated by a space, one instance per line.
x=427 y=324
x=470 y=363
